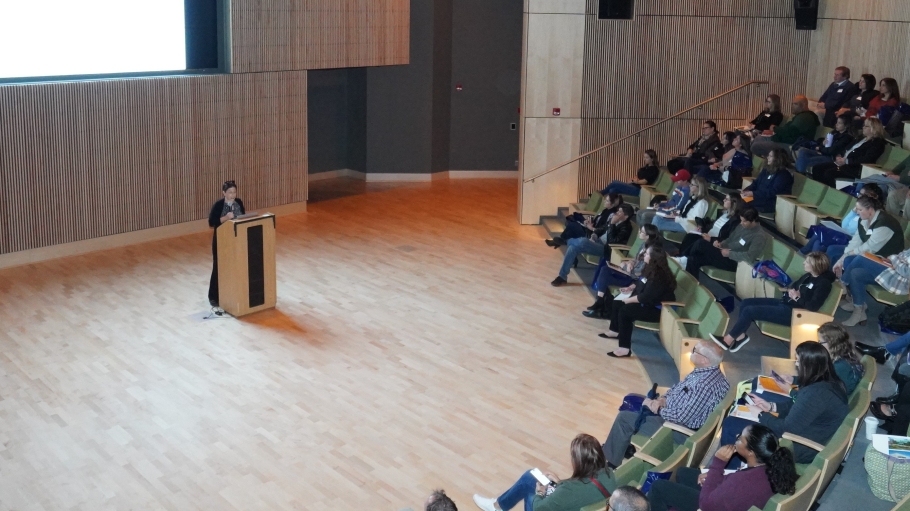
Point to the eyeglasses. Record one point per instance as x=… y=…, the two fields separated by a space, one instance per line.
x=696 y=352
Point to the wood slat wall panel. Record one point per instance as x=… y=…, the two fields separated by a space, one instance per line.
x=883 y=52
x=81 y=160
x=883 y=10
x=284 y=35
x=673 y=55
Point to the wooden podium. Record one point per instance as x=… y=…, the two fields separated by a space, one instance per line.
x=246 y=264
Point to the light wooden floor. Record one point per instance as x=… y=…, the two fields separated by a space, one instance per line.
x=417 y=344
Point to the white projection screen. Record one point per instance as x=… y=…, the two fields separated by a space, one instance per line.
x=45 y=38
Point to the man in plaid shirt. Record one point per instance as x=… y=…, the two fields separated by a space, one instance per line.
x=688 y=403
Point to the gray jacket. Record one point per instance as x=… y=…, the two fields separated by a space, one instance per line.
x=746 y=245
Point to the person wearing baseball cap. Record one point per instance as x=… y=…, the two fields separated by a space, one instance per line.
x=679 y=197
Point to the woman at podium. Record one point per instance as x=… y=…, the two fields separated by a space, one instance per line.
x=225 y=209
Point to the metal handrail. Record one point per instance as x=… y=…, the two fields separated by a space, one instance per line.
x=658 y=123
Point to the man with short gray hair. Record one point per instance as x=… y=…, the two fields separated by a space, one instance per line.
x=688 y=403
x=629 y=498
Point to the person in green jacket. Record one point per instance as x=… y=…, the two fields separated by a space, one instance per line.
x=802 y=125
x=591 y=482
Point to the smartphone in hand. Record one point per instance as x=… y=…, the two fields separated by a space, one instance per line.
x=542 y=479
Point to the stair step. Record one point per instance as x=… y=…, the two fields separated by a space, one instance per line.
x=553 y=225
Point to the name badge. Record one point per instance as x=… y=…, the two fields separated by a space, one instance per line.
x=767 y=115
x=770 y=176
x=644 y=280
x=859 y=98
x=810 y=285
x=840 y=90
x=742 y=242
x=869 y=231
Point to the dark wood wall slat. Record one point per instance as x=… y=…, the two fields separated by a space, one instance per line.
x=88 y=159
x=673 y=55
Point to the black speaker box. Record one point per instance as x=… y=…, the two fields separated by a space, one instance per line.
x=806 y=14
x=615 y=9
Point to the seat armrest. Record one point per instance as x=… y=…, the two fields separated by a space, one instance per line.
x=621 y=247
x=786 y=196
x=673 y=304
x=803 y=441
x=688 y=321
x=649 y=459
x=676 y=427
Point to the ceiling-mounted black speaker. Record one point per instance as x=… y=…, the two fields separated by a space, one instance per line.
x=806 y=14
x=615 y=9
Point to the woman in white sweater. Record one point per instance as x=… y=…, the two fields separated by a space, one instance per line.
x=679 y=219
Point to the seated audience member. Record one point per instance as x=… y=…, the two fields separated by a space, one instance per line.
x=680 y=195
x=893 y=274
x=646 y=175
x=696 y=207
x=850 y=164
x=628 y=498
x=439 y=501
x=618 y=232
x=720 y=229
x=818 y=409
x=688 y=403
x=894 y=410
x=862 y=97
x=846 y=359
x=593 y=225
x=801 y=126
x=656 y=285
x=889 y=95
x=882 y=354
x=745 y=244
x=773 y=180
x=699 y=152
x=807 y=292
x=877 y=233
x=849 y=223
x=769 y=470
x=628 y=271
x=837 y=143
x=737 y=161
x=837 y=95
x=769 y=117
x=591 y=481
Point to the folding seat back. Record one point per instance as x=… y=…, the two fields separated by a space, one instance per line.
x=829 y=459
x=799 y=182
x=812 y=192
x=835 y=203
x=802 y=498
x=714 y=322
x=830 y=304
x=870 y=371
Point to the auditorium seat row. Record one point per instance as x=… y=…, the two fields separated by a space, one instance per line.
x=658 y=453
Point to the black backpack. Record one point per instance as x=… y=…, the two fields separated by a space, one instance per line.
x=896 y=318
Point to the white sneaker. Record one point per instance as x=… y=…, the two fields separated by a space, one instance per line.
x=485 y=503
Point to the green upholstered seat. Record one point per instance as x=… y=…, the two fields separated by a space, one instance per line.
x=720 y=275
x=880 y=295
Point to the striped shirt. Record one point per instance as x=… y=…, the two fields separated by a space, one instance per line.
x=691 y=401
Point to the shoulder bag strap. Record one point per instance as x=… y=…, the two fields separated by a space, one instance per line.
x=601 y=488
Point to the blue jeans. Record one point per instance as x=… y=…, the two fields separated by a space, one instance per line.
x=835 y=252
x=806 y=158
x=813 y=244
x=897 y=346
x=523 y=489
x=665 y=224
x=576 y=246
x=760 y=309
x=858 y=273
x=622 y=188
x=608 y=277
